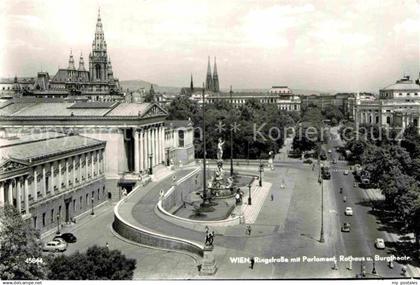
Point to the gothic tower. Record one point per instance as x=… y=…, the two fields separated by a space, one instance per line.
x=209 y=79
x=215 y=78
x=81 y=63
x=71 y=62
x=98 y=58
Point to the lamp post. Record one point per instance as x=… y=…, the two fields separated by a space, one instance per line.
x=231 y=134
x=374 y=266
x=92 y=200
x=151 y=161
x=58 y=225
x=249 y=196
x=205 y=194
x=322 y=205
x=261 y=171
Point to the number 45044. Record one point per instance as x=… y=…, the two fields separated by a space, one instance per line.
x=34 y=260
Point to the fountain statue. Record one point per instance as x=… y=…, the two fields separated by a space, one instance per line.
x=220 y=149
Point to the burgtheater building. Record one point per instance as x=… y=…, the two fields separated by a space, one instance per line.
x=51 y=178
x=134 y=133
x=398 y=106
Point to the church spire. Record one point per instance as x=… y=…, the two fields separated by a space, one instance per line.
x=81 y=63
x=71 y=61
x=209 y=79
x=215 y=78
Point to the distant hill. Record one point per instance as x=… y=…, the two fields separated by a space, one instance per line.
x=140 y=84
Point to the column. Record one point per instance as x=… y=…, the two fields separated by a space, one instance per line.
x=26 y=197
x=86 y=167
x=44 y=182
x=18 y=196
x=103 y=160
x=52 y=179
x=162 y=147
x=59 y=176
x=80 y=169
x=136 y=152
x=146 y=149
x=154 y=146
x=92 y=167
x=1 y=194
x=141 y=142
x=67 y=173
x=35 y=185
x=10 y=193
x=98 y=165
x=74 y=171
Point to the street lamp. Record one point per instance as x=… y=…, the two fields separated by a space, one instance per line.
x=374 y=267
x=151 y=159
x=231 y=135
x=249 y=196
x=92 y=200
x=261 y=171
x=322 y=208
x=58 y=225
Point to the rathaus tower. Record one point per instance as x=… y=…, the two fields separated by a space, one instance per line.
x=99 y=64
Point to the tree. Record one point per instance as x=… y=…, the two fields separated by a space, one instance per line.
x=98 y=263
x=182 y=108
x=19 y=242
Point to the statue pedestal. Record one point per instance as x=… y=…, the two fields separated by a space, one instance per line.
x=208 y=266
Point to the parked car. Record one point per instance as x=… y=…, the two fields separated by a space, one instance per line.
x=67 y=237
x=346 y=172
x=345 y=227
x=380 y=243
x=308 y=161
x=329 y=151
x=55 y=245
x=348 y=211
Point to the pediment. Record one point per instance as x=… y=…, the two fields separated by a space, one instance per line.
x=153 y=111
x=12 y=164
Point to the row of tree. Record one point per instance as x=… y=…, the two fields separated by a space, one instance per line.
x=393 y=162
x=257 y=128
x=21 y=256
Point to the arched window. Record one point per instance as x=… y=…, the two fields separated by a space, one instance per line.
x=180 y=138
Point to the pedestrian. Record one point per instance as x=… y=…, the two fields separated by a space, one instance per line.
x=252 y=260
x=107 y=245
x=344 y=199
x=350 y=265
x=272 y=197
x=248 y=230
x=335 y=265
x=390 y=264
x=403 y=270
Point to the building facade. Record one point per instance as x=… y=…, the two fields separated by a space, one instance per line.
x=179 y=142
x=398 y=106
x=95 y=82
x=52 y=178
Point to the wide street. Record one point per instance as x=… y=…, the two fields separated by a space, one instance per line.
x=288 y=226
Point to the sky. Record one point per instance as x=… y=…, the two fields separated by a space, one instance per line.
x=355 y=45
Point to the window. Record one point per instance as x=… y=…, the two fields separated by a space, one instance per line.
x=74 y=205
x=59 y=210
x=52 y=216
x=34 y=220
x=98 y=193
x=81 y=202
x=43 y=219
x=87 y=199
x=181 y=138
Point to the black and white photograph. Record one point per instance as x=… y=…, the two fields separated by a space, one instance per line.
x=202 y=140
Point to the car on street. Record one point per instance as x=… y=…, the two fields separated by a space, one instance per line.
x=329 y=151
x=55 y=245
x=345 y=227
x=380 y=243
x=346 y=172
x=308 y=161
x=67 y=237
x=348 y=211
